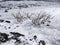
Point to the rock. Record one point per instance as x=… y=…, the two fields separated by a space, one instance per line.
x=42 y=42
x=1 y=20
x=30 y=39
x=3 y=37
x=16 y=34
x=7 y=21
x=6 y=10
x=9 y=27
x=35 y=37
x=47 y=25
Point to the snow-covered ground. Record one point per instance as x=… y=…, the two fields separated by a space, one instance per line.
x=50 y=34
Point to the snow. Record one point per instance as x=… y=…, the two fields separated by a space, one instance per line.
x=51 y=34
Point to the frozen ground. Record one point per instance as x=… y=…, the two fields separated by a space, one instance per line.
x=50 y=34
